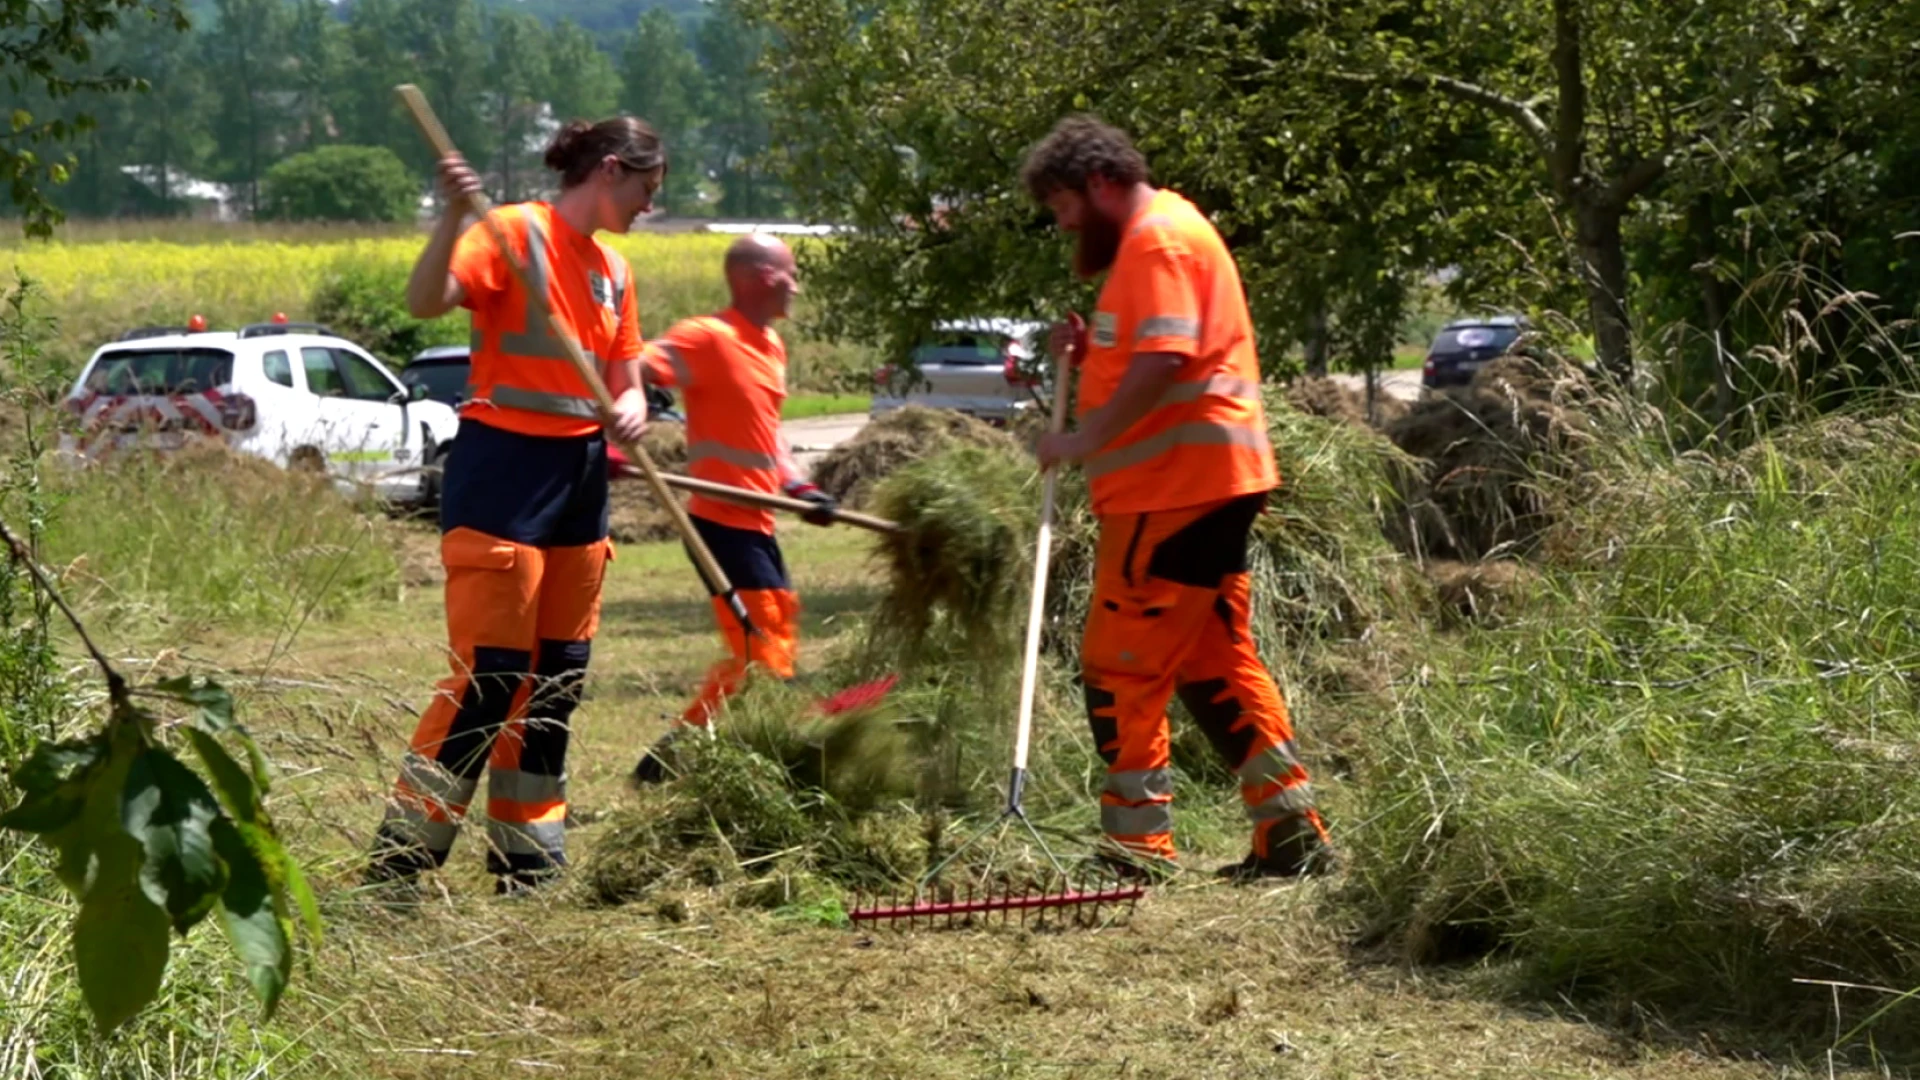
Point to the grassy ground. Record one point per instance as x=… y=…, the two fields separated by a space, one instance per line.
x=1205 y=980
x=801 y=406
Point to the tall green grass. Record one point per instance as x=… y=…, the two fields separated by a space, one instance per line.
x=205 y=536
x=1687 y=777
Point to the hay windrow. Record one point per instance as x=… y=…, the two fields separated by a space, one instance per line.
x=635 y=516
x=851 y=471
x=1488 y=451
x=1318 y=395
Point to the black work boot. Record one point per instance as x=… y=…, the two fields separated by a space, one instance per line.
x=1300 y=854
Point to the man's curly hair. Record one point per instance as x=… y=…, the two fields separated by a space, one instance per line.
x=1077 y=149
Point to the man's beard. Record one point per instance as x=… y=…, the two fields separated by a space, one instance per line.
x=1099 y=243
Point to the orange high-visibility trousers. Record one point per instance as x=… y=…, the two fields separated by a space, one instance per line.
x=754 y=566
x=521 y=621
x=1171 y=614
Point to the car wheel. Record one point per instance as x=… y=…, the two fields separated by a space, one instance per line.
x=307 y=459
x=431 y=473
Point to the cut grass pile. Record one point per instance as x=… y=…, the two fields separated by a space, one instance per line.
x=850 y=471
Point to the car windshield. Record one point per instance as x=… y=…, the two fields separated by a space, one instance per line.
x=961 y=347
x=441 y=380
x=160 y=371
x=1475 y=337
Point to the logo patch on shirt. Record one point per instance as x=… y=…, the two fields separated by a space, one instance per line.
x=602 y=290
x=1106 y=329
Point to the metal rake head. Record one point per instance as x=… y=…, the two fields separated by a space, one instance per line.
x=1055 y=902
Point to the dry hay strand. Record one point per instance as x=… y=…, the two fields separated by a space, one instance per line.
x=1480 y=592
x=1318 y=395
x=782 y=796
x=958 y=564
x=851 y=471
x=1489 y=450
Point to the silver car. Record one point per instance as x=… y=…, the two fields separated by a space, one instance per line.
x=987 y=368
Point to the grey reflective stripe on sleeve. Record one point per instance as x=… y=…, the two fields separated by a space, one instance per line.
x=540 y=401
x=545 y=838
x=514 y=785
x=682 y=374
x=1167 y=326
x=1140 y=785
x=1284 y=803
x=1227 y=386
x=1148 y=820
x=1197 y=433
x=732 y=455
x=433 y=780
x=1272 y=765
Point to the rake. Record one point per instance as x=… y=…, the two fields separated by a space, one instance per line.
x=1056 y=892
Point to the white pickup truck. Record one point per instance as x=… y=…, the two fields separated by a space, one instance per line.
x=293 y=393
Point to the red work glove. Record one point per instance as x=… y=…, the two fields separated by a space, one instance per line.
x=823 y=503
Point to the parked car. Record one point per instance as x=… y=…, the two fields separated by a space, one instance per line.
x=987 y=368
x=295 y=394
x=1464 y=346
x=442 y=369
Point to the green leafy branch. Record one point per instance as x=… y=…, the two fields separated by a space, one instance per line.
x=148 y=845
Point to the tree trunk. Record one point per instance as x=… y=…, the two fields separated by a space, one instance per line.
x=1317 y=341
x=1603 y=270
x=1713 y=300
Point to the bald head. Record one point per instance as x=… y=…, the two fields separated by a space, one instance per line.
x=761 y=276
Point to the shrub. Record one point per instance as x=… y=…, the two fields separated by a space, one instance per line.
x=365 y=299
x=341 y=183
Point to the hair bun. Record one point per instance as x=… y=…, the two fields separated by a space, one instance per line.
x=565 y=144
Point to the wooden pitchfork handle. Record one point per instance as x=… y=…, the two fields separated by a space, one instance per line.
x=774 y=502
x=716 y=578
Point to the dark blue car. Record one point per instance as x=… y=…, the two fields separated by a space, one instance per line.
x=1463 y=346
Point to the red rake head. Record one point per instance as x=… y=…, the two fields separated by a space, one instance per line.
x=857 y=697
x=1082 y=905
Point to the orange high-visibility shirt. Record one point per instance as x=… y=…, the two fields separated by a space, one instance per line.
x=1174 y=289
x=520 y=378
x=732 y=377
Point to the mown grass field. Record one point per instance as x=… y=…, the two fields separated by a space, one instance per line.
x=1206 y=980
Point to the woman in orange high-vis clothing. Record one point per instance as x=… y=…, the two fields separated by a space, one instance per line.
x=731 y=369
x=523 y=509
x=1173 y=439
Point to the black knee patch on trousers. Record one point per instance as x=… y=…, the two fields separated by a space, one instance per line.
x=496 y=677
x=1209 y=547
x=559 y=676
x=1217 y=718
x=1106 y=728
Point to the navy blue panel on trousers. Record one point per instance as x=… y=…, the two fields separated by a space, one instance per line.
x=751 y=560
x=530 y=489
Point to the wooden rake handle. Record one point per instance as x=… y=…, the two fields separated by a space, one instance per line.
x=1042 y=554
x=774 y=502
x=716 y=579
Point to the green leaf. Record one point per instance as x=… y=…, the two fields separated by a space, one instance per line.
x=169 y=811
x=251 y=918
x=53 y=764
x=236 y=788
x=215 y=705
x=119 y=940
x=21 y=119
x=302 y=894
x=46 y=812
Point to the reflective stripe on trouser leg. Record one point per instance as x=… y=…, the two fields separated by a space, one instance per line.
x=1138 y=632
x=1233 y=698
x=776 y=614
x=527 y=783
x=491 y=591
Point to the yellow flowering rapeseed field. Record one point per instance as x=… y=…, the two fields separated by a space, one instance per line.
x=99 y=281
